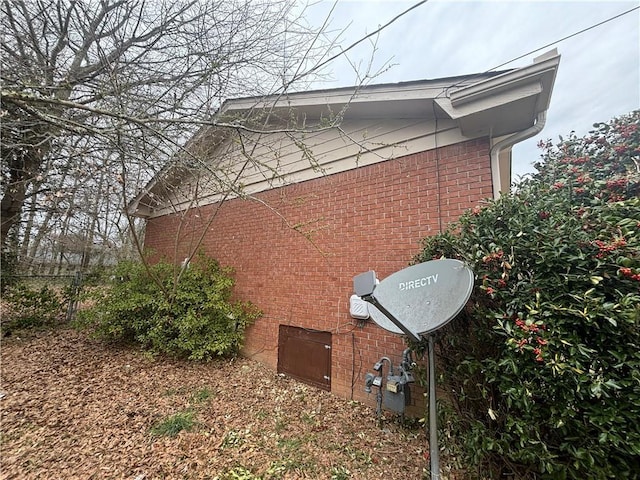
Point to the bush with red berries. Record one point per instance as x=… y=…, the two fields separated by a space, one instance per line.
x=541 y=372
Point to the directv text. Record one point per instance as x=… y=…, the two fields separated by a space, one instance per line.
x=418 y=283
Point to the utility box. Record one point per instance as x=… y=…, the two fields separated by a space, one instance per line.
x=396 y=396
x=358 y=308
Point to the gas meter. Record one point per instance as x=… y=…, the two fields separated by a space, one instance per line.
x=395 y=398
x=394 y=391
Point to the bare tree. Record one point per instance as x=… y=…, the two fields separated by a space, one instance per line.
x=99 y=96
x=84 y=79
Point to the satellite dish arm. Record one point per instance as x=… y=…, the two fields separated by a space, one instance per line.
x=373 y=301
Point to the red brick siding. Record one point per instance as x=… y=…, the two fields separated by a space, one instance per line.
x=298 y=264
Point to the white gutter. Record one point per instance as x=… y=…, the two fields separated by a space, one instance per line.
x=537 y=127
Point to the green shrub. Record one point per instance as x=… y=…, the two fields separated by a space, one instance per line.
x=193 y=316
x=543 y=365
x=31 y=307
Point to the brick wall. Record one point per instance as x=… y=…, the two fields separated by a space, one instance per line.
x=296 y=250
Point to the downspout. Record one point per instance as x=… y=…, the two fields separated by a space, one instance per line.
x=537 y=127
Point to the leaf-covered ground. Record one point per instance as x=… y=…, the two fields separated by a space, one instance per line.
x=73 y=407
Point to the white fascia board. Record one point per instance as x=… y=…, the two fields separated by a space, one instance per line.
x=504 y=83
x=415 y=90
x=515 y=97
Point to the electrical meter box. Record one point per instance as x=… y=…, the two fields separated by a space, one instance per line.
x=396 y=395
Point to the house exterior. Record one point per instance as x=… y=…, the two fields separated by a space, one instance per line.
x=300 y=193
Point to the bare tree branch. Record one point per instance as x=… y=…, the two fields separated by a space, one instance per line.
x=99 y=96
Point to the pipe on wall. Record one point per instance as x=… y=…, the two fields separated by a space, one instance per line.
x=537 y=127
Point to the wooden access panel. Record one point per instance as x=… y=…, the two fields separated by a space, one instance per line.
x=305 y=355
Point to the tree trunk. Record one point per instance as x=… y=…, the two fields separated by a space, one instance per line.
x=11 y=209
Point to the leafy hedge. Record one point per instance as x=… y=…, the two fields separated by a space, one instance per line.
x=192 y=317
x=31 y=307
x=543 y=367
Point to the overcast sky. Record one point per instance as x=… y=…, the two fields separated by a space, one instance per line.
x=598 y=77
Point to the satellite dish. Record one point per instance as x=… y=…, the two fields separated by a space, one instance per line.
x=423 y=297
x=414 y=301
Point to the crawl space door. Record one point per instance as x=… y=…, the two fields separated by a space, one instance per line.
x=305 y=355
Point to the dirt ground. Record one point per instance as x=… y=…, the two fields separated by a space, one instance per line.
x=73 y=407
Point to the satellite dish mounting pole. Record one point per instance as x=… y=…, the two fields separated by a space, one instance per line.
x=434 y=458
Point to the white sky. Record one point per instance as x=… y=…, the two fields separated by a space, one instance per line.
x=598 y=77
